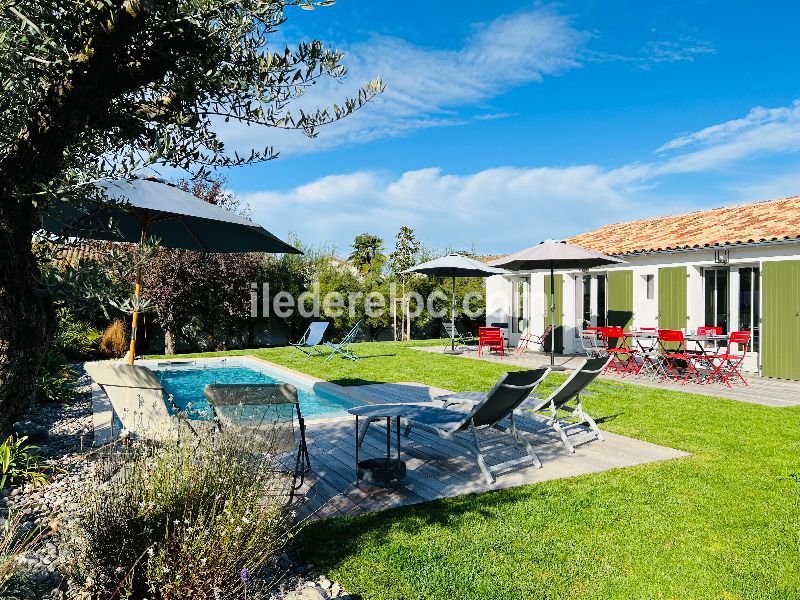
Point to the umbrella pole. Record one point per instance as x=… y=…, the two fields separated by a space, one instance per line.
x=453 y=317
x=552 y=317
x=137 y=294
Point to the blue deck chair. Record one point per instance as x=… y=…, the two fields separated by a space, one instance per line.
x=311 y=339
x=461 y=427
x=343 y=347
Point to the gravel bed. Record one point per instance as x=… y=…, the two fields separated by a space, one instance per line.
x=63 y=434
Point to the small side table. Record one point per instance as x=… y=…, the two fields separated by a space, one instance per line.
x=380 y=471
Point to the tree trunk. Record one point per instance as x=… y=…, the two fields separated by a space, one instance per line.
x=27 y=317
x=169 y=342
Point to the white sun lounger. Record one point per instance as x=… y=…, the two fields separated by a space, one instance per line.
x=140 y=401
x=311 y=338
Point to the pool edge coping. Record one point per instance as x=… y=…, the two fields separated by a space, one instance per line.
x=102 y=411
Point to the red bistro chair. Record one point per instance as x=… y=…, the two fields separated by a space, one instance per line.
x=709 y=330
x=727 y=365
x=491 y=338
x=614 y=345
x=676 y=357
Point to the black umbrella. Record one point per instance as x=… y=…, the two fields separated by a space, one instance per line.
x=455 y=265
x=145 y=207
x=553 y=254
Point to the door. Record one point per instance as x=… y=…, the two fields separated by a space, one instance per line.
x=620 y=298
x=781 y=320
x=672 y=298
x=558 y=317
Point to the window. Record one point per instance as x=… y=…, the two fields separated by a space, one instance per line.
x=650 y=286
x=716 y=298
x=587 y=300
x=749 y=303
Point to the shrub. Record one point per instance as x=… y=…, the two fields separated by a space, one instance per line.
x=19 y=463
x=181 y=521
x=114 y=341
x=55 y=380
x=74 y=338
x=15 y=541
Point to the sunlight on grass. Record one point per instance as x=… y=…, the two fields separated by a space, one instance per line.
x=722 y=523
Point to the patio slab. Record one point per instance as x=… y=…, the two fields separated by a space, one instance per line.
x=437 y=469
x=760 y=390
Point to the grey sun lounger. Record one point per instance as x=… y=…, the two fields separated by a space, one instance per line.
x=458 y=338
x=343 y=347
x=269 y=416
x=311 y=338
x=461 y=427
x=570 y=390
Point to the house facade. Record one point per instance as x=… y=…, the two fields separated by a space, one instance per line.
x=736 y=267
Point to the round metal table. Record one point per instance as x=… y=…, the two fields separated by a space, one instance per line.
x=380 y=471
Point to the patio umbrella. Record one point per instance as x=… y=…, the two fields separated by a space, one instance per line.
x=455 y=265
x=146 y=207
x=553 y=254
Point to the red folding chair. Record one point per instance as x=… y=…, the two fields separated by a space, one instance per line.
x=709 y=330
x=727 y=365
x=491 y=338
x=621 y=355
x=529 y=337
x=677 y=358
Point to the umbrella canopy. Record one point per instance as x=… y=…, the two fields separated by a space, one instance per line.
x=455 y=265
x=553 y=254
x=178 y=219
x=556 y=255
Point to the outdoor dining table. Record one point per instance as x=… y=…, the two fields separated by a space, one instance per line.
x=701 y=346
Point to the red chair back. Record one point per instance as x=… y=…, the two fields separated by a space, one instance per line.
x=709 y=330
x=490 y=334
x=742 y=338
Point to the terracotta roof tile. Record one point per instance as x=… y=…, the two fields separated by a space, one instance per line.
x=766 y=221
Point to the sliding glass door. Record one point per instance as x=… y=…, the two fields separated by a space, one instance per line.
x=750 y=304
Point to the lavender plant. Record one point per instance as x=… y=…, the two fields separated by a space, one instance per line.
x=184 y=520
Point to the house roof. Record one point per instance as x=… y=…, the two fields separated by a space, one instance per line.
x=768 y=221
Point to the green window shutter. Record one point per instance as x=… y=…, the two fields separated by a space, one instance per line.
x=559 y=313
x=780 y=328
x=672 y=297
x=620 y=298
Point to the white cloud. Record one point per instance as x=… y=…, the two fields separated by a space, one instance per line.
x=426 y=87
x=762 y=131
x=684 y=49
x=506 y=208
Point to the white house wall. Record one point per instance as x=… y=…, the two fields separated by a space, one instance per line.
x=645 y=312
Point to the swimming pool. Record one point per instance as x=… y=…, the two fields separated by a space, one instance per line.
x=185 y=381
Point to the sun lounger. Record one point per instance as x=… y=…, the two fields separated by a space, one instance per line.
x=343 y=347
x=311 y=338
x=570 y=390
x=140 y=402
x=458 y=338
x=461 y=427
x=266 y=415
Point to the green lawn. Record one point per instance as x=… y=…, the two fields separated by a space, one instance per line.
x=722 y=523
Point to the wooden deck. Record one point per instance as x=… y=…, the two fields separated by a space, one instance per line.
x=760 y=390
x=438 y=469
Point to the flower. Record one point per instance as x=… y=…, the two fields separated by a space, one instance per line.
x=245 y=575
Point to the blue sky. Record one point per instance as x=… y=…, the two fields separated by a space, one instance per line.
x=506 y=123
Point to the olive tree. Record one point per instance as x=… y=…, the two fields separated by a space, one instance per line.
x=94 y=89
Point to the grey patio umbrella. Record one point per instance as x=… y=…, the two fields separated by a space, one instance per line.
x=455 y=265
x=146 y=207
x=553 y=254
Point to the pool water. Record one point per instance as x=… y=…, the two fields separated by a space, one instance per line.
x=186 y=384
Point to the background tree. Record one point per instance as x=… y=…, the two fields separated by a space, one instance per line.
x=106 y=88
x=367 y=255
x=404 y=256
